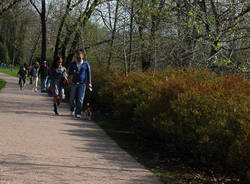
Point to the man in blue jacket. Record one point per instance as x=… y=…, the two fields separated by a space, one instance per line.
x=80 y=70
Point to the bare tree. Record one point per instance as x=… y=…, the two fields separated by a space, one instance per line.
x=113 y=32
x=42 y=14
x=68 y=9
x=81 y=23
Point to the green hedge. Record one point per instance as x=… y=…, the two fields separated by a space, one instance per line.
x=197 y=113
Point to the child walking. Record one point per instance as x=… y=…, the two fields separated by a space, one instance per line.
x=58 y=77
x=35 y=73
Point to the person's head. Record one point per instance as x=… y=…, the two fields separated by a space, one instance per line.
x=36 y=64
x=59 y=61
x=79 y=56
x=44 y=63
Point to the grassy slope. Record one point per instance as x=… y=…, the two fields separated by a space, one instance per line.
x=9 y=71
x=125 y=139
x=170 y=170
x=2 y=83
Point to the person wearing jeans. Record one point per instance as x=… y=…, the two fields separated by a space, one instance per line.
x=80 y=70
x=43 y=73
x=35 y=71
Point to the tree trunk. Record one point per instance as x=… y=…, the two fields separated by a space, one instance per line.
x=81 y=24
x=131 y=35
x=13 y=60
x=124 y=53
x=58 y=38
x=73 y=48
x=34 y=48
x=144 y=63
x=113 y=36
x=44 y=31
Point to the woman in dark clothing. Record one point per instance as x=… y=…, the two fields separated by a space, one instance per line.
x=22 y=73
x=58 y=76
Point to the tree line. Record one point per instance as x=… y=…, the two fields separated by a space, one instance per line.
x=129 y=35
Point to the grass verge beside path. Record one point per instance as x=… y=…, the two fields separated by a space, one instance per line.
x=14 y=72
x=126 y=140
x=8 y=71
x=169 y=170
x=2 y=83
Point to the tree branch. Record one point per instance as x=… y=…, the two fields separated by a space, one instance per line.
x=9 y=7
x=96 y=44
x=34 y=5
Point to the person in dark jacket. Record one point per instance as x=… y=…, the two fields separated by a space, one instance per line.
x=43 y=73
x=22 y=73
x=80 y=70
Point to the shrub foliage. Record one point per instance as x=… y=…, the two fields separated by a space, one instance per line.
x=200 y=114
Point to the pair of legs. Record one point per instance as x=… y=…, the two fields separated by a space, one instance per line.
x=58 y=93
x=34 y=83
x=44 y=83
x=30 y=79
x=56 y=102
x=77 y=95
x=22 y=81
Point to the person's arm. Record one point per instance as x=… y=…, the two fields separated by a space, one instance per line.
x=26 y=72
x=51 y=74
x=18 y=73
x=89 y=75
x=32 y=71
x=71 y=71
x=19 y=70
x=39 y=71
x=65 y=74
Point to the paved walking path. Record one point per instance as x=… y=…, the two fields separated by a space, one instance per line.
x=38 y=147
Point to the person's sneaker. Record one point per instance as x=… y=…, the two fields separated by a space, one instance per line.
x=78 y=116
x=72 y=113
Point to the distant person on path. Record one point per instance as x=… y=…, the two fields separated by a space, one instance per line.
x=35 y=73
x=27 y=71
x=43 y=73
x=80 y=69
x=22 y=73
x=58 y=77
x=30 y=73
x=26 y=67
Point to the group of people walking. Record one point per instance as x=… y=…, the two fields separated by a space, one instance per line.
x=56 y=78
x=33 y=73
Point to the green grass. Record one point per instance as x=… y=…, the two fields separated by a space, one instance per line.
x=9 y=71
x=2 y=83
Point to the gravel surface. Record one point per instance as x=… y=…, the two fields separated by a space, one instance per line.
x=38 y=147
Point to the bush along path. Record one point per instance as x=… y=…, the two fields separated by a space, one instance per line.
x=39 y=147
x=198 y=116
